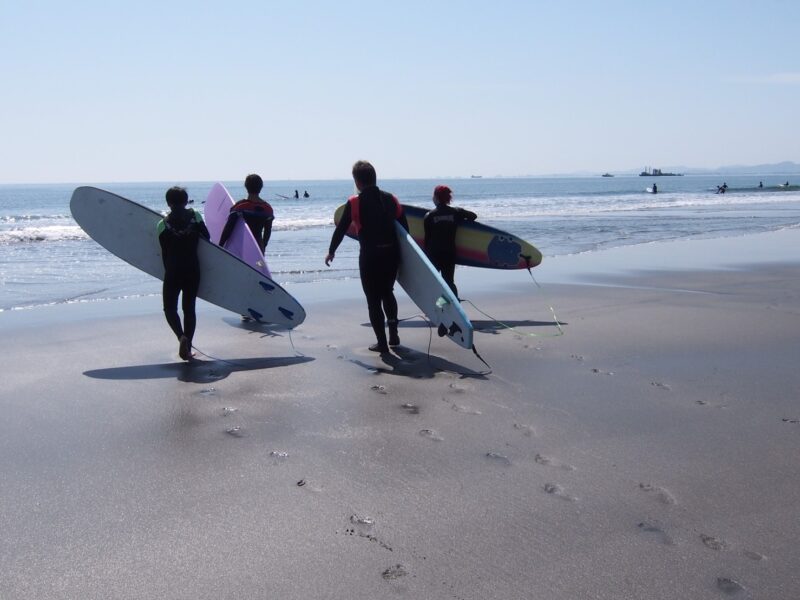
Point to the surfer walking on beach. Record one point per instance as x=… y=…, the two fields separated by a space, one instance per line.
x=441 y=224
x=178 y=235
x=255 y=211
x=374 y=212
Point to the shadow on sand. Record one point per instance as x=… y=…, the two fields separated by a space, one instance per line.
x=265 y=329
x=196 y=371
x=406 y=362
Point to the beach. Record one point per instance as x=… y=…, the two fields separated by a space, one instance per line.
x=649 y=452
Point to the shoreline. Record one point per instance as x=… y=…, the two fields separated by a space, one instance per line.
x=600 y=267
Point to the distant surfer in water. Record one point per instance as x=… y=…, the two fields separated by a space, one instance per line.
x=178 y=234
x=257 y=213
x=655 y=188
x=374 y=212
x=441 y=224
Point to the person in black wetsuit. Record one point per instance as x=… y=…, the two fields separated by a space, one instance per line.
x=374 y=212
x=440 y=233
x=257 y=213
x=178 y=234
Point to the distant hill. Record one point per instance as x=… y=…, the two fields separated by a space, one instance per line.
x=781 y=168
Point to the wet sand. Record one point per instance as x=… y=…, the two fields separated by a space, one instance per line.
x=649 y=452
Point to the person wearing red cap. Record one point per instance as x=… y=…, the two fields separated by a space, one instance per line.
x=441 y=224
x=374 y=213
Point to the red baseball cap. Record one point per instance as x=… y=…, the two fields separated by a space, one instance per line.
x=442 y=192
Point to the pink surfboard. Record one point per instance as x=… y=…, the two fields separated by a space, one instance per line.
x=241 y=243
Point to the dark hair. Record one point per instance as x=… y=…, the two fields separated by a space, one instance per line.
x=177 y=197
x=253 y=183
x=364 y=173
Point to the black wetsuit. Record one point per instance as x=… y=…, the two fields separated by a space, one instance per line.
x=379 y=255
x=257 y=214
x=440 y=239
x=178 y=234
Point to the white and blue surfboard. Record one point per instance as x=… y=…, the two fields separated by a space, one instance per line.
x=128 y=230
x=425 y=286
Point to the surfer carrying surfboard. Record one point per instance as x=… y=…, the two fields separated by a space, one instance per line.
x=441 y=224
x=256 y=212
x=374 y=212
x=178 y=234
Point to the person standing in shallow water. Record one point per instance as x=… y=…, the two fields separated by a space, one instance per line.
x=441 y=224
x=178 y=234
x=374 y=213
x=255 y=211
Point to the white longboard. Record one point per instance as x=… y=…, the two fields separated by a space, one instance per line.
x=425 y=286
x=128 y=230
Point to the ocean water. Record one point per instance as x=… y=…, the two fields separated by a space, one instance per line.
x=45 y=258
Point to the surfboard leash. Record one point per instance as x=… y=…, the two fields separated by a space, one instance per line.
x=556 y=322
x=234 y=363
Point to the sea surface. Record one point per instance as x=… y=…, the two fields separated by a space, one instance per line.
x=46 y=259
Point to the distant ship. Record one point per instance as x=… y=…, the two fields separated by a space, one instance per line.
x=475 y=176
x=606 y=175
x=658 y=173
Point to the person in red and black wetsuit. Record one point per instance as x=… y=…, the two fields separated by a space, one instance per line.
x=374 y=212
x=440 y=233
x=257 y=213
x=178 y=234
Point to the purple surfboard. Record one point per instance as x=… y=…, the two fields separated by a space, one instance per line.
x=241 y=243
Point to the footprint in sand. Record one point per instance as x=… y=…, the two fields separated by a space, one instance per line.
x=793 y=421
x=431 y=435
x=551 y=462
x=556 y=490
x=657 y=532
x=601 y=372
x=394 y=572
x=709 y=404
x=411 y=409
x=527 y=430
x=207 y=392
x=499 y=459
x=465 y=409
x=456 y=389
x=577 y=357
x=379 y=389
x=729 y=586
x=331 y=347
x=660 y=385
x=237 y=432
x=712 y=542
x=662 y=494
x=362 y=523
x=754 y=555
x=362 y=527
x=227 y=411
x=278 y=456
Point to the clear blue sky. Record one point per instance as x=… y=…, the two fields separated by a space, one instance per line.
x=182 y=91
